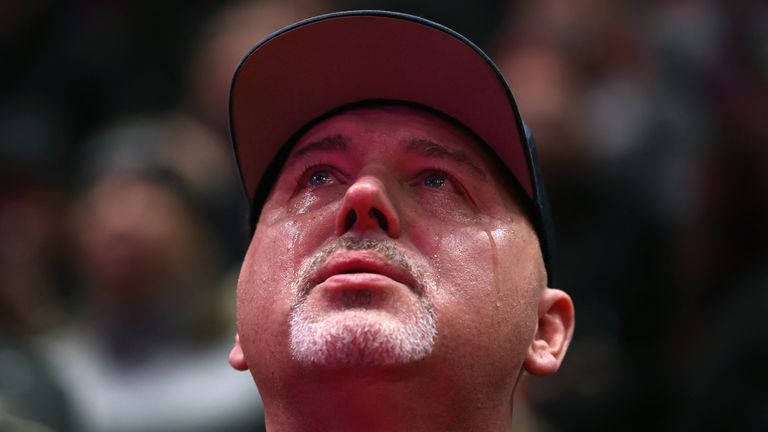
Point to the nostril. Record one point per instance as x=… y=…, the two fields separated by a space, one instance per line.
x=350 y=220
x=379 y=216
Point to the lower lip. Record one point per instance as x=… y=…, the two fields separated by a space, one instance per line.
x=368 y=290
x=359 y=281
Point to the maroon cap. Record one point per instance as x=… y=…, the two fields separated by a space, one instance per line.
x=317 y=65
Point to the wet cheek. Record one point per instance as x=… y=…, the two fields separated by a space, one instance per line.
x=297 y=230
x=306 y=203
x=461 y=257
x=484 y=305
x=484 y=278
x=519 y=264
x=281 y=243
x=464 y=266
x=435 y=236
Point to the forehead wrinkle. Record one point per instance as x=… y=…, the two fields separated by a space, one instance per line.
x=429 y=148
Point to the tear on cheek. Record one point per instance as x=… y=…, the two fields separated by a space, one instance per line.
x=304 y=204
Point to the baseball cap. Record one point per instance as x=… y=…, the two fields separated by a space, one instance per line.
x=311 y=68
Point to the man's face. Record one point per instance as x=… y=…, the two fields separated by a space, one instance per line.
x=390 y=239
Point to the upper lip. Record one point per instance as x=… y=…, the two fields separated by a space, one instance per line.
x=364 y=262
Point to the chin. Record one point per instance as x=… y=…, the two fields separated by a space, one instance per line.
x=361 y=338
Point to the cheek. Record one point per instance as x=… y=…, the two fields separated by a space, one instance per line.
x=262 y=294
x=464 y=262
x=264 y=297
x=282 y=241
x=461 y=254
x=487 y=294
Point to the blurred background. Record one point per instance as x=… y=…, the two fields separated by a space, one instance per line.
x=122 y=224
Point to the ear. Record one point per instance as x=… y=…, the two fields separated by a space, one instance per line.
x=236 y=356
x=553 y=333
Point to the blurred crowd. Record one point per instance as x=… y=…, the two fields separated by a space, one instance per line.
x=122 y=224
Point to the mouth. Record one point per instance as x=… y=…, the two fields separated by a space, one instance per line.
x=361 y=265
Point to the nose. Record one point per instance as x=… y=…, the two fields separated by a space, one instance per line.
x=366 y=206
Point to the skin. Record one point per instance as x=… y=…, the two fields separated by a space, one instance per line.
x=454 y=217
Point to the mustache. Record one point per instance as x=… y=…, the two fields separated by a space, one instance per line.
x=304 y=281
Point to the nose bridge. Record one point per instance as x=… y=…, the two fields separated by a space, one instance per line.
x=368 y=205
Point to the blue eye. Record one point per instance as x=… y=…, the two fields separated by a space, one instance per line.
x=320 y=178
x=434 y=180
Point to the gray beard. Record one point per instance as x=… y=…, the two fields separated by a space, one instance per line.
x=361 y=337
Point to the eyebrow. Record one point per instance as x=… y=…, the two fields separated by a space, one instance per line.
x=429 y=148
x=336 y=143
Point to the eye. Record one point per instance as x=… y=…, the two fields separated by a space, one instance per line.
x=319 y=178
x=435 y=180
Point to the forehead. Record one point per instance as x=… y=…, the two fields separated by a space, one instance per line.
x=398 y=122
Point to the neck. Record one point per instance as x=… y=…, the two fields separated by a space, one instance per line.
x=383 y=400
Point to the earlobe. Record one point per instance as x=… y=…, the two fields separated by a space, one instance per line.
x=553 y=333
x=236 y=356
